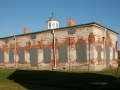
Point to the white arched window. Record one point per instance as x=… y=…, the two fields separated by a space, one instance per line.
x=49 y=24
x=56 y=25
x=53 y=24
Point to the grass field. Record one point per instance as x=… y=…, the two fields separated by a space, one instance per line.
x=53 y=80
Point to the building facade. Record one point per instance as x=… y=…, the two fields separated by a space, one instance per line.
x=86 y=47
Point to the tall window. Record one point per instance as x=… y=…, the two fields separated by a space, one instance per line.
x=56 y=25
x=53 y=24
x=49 y=24
x=113 y=53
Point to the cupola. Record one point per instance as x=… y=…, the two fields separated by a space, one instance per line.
x=52 y=22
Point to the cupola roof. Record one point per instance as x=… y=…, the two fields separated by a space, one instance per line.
x=52 y=18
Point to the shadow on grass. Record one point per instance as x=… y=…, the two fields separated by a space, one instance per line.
x=54 y=80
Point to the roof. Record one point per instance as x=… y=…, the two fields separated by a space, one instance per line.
x=80 y=25
x=52 y=18
x=105 y=27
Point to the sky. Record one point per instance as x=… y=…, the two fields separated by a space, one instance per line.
x=15 y=15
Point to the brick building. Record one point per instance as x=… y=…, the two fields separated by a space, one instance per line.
x=89 y=46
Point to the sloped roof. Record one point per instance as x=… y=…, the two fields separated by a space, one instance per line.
x=86 y=24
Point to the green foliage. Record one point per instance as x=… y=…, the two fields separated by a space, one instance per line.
x=119 y=55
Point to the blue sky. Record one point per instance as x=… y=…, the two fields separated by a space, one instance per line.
x=15 y=15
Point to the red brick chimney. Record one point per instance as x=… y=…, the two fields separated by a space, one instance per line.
x=26 y=30
x=71 y=22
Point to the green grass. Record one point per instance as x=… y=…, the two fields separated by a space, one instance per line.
x=54 y=80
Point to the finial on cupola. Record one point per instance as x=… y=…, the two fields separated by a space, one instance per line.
x=52 y=13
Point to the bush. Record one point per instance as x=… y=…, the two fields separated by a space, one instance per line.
x=118 y=55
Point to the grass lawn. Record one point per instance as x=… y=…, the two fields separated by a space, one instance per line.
x=55 y=80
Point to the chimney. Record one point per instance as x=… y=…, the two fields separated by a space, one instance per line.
x=26 y=30
x=71 y=22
